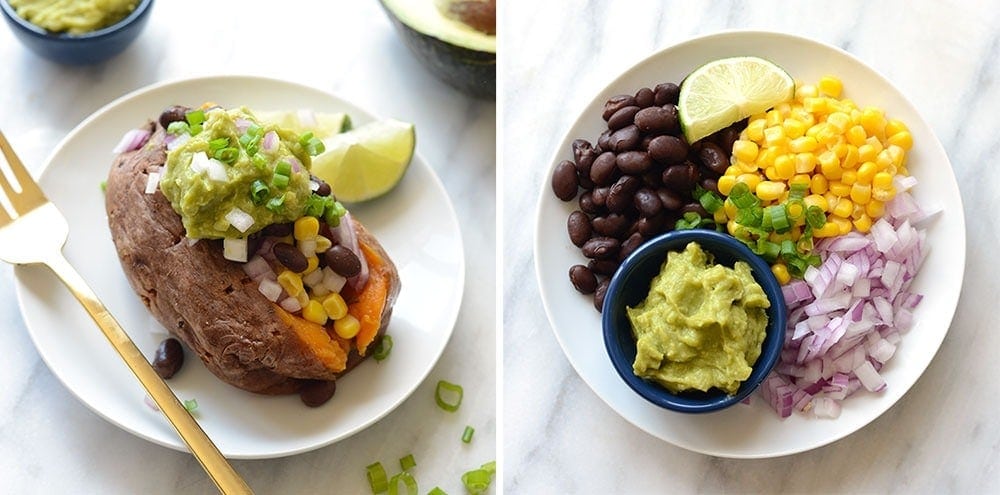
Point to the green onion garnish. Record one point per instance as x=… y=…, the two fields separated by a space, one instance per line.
x=195 y=117
x=751 y=216
x=490 y=467
x=227 y=155
x=768 y=250
x=467 y=434
x=690 y=220
x=259 y=192
x=190 y=405
x=778 y=217
x=455 y=391
x=283 y=168
x=797 y=190
x=178 y=127
x=311 y=143
x=405 y=463
x=315 y=206
x=104 y=186
x=217 y=144
x=334 y=210
x=408 y=482
x=258 y=160
x=437 y=491
x=280 y=181
x=815 y=217
x=376 y=478
x=477 y=480
x=710 y=201
x=384 y=346
x=276 y=204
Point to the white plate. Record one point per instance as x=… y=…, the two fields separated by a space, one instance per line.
x=756 y=431
x=415 y=223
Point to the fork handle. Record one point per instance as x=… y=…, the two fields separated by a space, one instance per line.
x=215 y=464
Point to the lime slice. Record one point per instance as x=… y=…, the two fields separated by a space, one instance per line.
x=728 y=90
x=322 y=125
x=366 y=162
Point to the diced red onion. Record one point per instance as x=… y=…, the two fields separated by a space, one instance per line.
x=235 y=249
x=258 y=268
x=175 y=141
x=239 y=219
x=296 y=164
x=333 y=281
x=243 y=124
x=290 y=304
x=270 y=289
x=152 y=182
x=150 y=403
x=269 y=142
x=313 y=278
x=132 y=140
x=307 y=247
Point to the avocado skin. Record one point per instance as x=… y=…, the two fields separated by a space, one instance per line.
x=469 y=71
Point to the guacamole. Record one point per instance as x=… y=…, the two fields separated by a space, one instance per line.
x=701 y=325
x=229 y=162
x=73 y=16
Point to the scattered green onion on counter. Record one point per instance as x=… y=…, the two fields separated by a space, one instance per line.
x=455 y=391
x=377 y=479
x=408 y=482
x=467 y=434
x=405 y=463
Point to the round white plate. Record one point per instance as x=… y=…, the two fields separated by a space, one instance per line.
x=415 y=222
x=756 y=431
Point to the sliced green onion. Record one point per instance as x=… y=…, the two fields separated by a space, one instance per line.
x=467 y=434
x=190 y=405
x=437 y=491
x=217 y=144
x=788 y=249
x=383 y=348
x=741 y=196
x=315 y=147
x=449 y=388
x=276 y=204
x=227 y=155
x=283 y=168
x=796 y=265
x=405 y=463
x=195 y=129
x=178 y=127
x=815 y=217
x=408 y=482
x=104 y=186
x=195 y=117
x=797 y=190
x=477 y=481
x=315 y=206
x=334 y=211
x=778 y=217
x=280 y=181
x=490 y=467
x=255 y=130
x=752 y=216
x=795 y=209
x=305 y=137
x=376 y=478
x=258 y=160
x=259 y=192
x=690 y=220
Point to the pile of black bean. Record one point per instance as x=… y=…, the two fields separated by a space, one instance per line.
x=635 y=182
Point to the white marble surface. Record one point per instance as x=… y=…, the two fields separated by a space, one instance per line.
x=942 y=437
x=51 y=443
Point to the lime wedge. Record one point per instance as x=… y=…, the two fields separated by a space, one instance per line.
x=368 y=161
x=322 y=125
x=728 y=90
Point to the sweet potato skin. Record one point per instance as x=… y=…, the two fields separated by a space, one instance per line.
x=208 y=302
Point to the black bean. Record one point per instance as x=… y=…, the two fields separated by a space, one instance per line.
x=174 y=113
x=630 y=245
x=578 y=226
x=713 y=158
x=656 y=120
x=290 y=256
x=644 y=97
x=647 y=202
x=323 y=189
x=169 y=358
x=670 y=199
x=695 y=207
x=673 y=124
x=624 y=139
x=600 y=196
x=583 y=153
x=603 y=267
x=564 y=180
x=587 y=203
x=315 y=393
x=634 y=162
x=611 y=225
x=667 y=149
x=583 y=279
x=278 y=230
x=622 y=118
x=653 y=178
x=650 y=226
x=666 y=93
x=599 y=293
x=726 y=137
x=620 y=195
x=343 y=261
x=616 y=103
x=604 y=141
x=601 y=248
x=710 y=184
x=604 y=169
x=678 y=178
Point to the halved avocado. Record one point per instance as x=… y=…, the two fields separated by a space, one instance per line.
x=454 y=39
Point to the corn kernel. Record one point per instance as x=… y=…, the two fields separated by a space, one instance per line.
x=895 y=126
x=884 y=195
x=816 y=200
x=866 y=172
x=720 y=216
x=863 y=224
x=840 y=121
x=819 y=184
x=322 y=244
x=784 y=165
x=850 y=158
x=882 y=180
x=775 y=136
x=780 y=272
x=773 y=118
x=794 y=128
x=766 y=157
x=830 y=86
x=844 y=225
x=751 y=180
x=769 y=191
x=725 y=184
x=784 y=108
x=873 y=120
x=730 y=209
x=302 y=298
x=745 y=150
x=805 y=163
x=844 y=208
x=803 y=179
x=856 y=135
x=347 y=327
x=731 y=227
x=829 y=229
x=803 y=144
x=306 y=228
x=884 y=161
x=858 y=211
x=313 y=263
x=314 y=312
x=815 y=105
x=876 y=143
x=291 y=282
x=897 y=154
x=830 y=165
x=335 y=306
x=840 y=189
x=875 y=209
x=903 y=139
x=755 y=129
x=867 y=153
x=861 y=193
x=849 y=177
x=804 y=91
x=771 y=173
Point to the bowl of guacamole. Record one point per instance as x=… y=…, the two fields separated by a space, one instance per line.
x=78 y=32
x=693 y=321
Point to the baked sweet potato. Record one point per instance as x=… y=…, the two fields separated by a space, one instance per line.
x=209 y=302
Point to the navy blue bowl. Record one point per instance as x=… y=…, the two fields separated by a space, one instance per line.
x=83 y=49
x=630 y=285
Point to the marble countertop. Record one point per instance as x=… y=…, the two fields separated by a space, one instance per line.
x=559 y=436
x=52 y=443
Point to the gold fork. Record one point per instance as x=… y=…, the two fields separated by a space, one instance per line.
x=34 y=232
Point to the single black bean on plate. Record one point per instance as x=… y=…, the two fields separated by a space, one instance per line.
x=679 y=178
x=603 y=171
x=600 y=196
x=599 y=293
x=601 y=248
x=670 y=199
x=169 y=358
x=603 y=267
x=630 y=245
x=713 y=157
x=651 y=226
x=610 y=225
x=710 y=184
x=634 y=162
x=616 y=103
x=604 y=141
x=647 y=202
x=315 y=393
x=667 y=149
x=582 y=279
x=583 y=155
x=173 y=113
x=622 y=117
x=644 y=97
x=673 y=121
x=324 y=189
x=625 y=139
x=620 y=195
x=656 y=120
x=587 y=203
x=564 y=181
x=343 y=261
x=290 y=256
x=579 y=228
x=666 y=93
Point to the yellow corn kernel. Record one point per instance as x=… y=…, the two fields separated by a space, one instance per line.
x=291 y=282
x=815 y=104
x=844 y=225
x=863 y=224
x=306 y=228
x=873 y=120
x=720 y=216
x=335 y=306
x=895 y=126
x=858 y=211
x=313 y=263
x=819 y=184
x=850 y=158
x=803 y=144
x=803 y=179
x=830 y=86
x=844 y=208
x=875 y=209
x=902 y=139
x=775 y=136
x=778 y=238
x=840 y=189
x=755 y=129
x=830 y=165
x=849 y=177
x=773 y=118
x=884 y=195
x=816 y=200
x=769 y=191
x=725 y=184
x=784 y=165
x=829 y=229
x=745 y=150
x=882 y=180
x=314 y=312
x=866 y=172
x=730 y=209
x=856 y=135
x=884 y=161
x=840 y=149
x=796 y=233
x=831 y=200
x=731 y=227
x=784 y=108
x=734 y=170
x=795 y=210
x=751 y=180
x=771 y=173
x=805 y=163
x=302 y=298
x=744 y=167
x=804 y=91
x=861 y=194
x=876 y=143
x=829 y=136
x=780 y=272
x=347 y=327
x=766 y=157
x=897 y=154
x=322 y=244
x=867 y=153
x=839 y=121
x=794 y=128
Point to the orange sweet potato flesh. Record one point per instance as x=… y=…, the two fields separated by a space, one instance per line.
x=316 y=339
x=371 y=302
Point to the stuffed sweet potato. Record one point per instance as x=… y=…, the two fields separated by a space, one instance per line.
x=218 y=306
